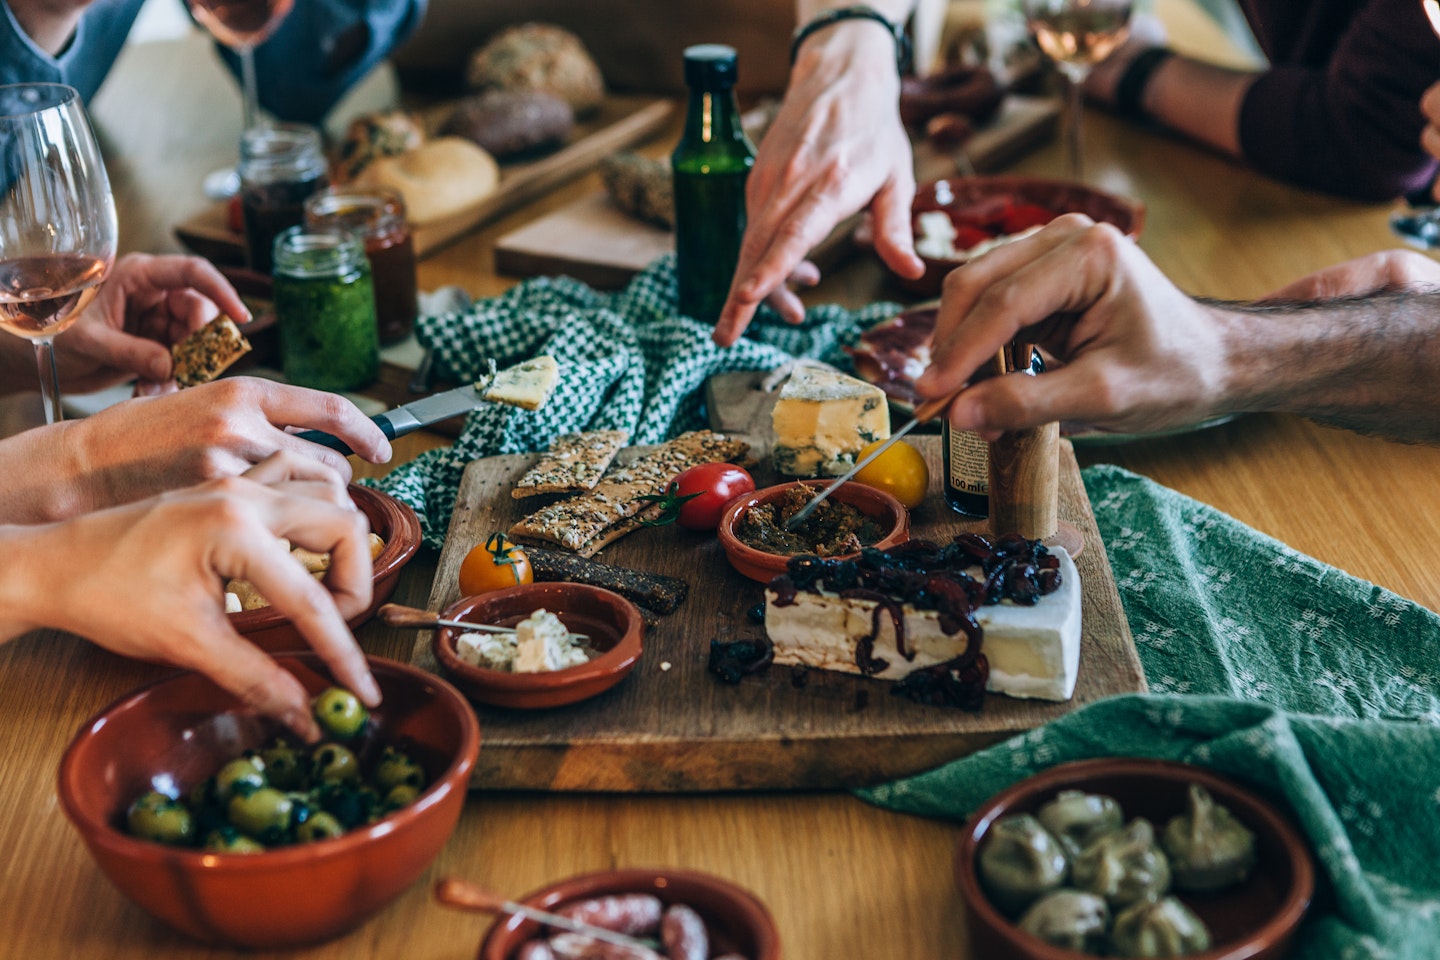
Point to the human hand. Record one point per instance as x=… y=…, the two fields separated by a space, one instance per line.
x=146 y=580
x=1138 y=354
x=1430 y=136
x=146 y=304
x=1387 y=270
x=147 y=445
x=836 y=146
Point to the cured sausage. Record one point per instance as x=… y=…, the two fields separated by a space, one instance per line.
x=683 y=932
x=633 y=914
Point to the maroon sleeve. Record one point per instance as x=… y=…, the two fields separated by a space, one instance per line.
x=1349 y=126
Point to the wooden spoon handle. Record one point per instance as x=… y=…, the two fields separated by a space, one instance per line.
x=464 y=895
x=399 y=615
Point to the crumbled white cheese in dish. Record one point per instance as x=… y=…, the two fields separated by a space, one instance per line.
x=540 y=643
x=937 y=238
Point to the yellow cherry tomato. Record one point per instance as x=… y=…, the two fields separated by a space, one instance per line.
x=899 y=471
x=492 y=565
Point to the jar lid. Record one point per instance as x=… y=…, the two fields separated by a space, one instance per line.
x=369 y=211
x=308 y=253
x=710 y=66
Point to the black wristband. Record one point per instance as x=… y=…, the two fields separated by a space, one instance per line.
x=858 y=12
x=1130 y=91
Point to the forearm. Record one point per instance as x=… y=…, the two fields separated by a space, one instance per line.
x=43 y=479
x=1368 y=364
x=1200 y=100
x=28 y=560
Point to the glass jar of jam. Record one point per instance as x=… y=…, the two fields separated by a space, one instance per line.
x=325 y=309
x=377 y=214
x=280 y=165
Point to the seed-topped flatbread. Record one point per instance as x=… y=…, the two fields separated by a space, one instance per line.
x=590 y=521
x=204 y=355
x=575 y=462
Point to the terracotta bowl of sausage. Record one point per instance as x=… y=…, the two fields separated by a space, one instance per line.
x=1254 y=919
x=395 y=523
x=174 y=734
x=984 y=210
x=737 y=925
x=613 y=626
x=889 y=515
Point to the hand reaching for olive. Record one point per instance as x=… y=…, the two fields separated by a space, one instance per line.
x=146 y=580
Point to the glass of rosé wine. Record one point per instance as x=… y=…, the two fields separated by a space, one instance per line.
x=1076 y=35
x=1421 y=227
x=240 y=25
x=57 y=220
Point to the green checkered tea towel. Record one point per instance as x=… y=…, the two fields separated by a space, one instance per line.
x=1317 y=689
x=628 y=361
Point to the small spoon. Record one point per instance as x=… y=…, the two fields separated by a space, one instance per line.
x=464 y=895
x=399 y=615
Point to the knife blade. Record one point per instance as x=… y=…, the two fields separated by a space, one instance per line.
x=410 y=417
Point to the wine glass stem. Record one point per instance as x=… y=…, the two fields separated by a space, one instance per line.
x=1072 y=126
x=249 y=92
x=49 y=379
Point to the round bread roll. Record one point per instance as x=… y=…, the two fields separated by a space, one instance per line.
x=373 y=135
x=437 y=179
x=507 y=122
x=539 y=56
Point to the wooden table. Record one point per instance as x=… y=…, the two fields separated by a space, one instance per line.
x=843 y=879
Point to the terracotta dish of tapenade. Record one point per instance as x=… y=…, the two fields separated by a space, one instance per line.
x=834 y=529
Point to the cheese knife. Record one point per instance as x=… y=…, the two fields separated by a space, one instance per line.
x=410 y=417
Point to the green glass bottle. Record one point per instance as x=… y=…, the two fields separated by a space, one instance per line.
x=710 y=166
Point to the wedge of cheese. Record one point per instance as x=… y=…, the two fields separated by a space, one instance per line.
x=1034 y=652
x=823 y=419
x=527 y=385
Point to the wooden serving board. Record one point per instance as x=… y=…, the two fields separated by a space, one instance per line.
x=592 y=241
x=671 y=726
x=620 y=122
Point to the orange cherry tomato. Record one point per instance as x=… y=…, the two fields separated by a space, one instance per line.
x=493 y=565
x=899 y=471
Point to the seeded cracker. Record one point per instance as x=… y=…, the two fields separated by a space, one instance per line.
x=591 y=520
x=574 y=462
x=204 y=355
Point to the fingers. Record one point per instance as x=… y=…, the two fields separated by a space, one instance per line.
x=179 y=273
x=305 y=474
x=805 y=274
x=1020 y=402
x=894 y=233
x=287 y=406
x=241 y=668
x=146 y=359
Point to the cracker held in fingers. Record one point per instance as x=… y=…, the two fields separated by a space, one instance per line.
x=588 y=522
x=204 y=355
x=574 y=462
x=527 y=385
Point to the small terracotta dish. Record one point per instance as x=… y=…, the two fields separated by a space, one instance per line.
x=1254 y=920
x=737 y=921
x=172 y=734
x=613 y=624
x=958 y=195
x=395 y=523
x=759 y=565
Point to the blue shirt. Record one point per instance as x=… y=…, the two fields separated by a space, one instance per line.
x=319 y=51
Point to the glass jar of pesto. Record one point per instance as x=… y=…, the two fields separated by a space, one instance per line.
x=325 y=309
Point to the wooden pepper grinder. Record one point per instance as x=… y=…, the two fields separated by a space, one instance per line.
x=1025 y=470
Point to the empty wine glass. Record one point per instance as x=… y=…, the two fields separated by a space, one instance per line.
x=57 y=220
x=1076 y=35
x=1421 y=228
x=240 y=25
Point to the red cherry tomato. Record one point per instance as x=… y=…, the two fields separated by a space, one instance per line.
x=709 y=487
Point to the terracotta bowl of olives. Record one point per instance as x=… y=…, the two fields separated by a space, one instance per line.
x=612 y=627
x=1132 y=857
x=736 y=922
x=395 y=523
x=173 y=739
x=890 y=520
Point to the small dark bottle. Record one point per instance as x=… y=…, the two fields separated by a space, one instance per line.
x=967 y=462
x=710 y=166
x=280 y=166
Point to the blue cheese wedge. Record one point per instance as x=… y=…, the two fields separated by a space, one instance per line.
x=823 y=419
x=1033 y=651
x=527 y=385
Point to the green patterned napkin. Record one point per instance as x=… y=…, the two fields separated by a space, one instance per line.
x=628 y=361
x=1318 y=689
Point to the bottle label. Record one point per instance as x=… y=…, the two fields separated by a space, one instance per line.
x=969 y=462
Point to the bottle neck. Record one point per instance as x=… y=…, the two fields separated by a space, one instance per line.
x=713 y=117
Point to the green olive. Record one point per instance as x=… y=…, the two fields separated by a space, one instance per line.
x=320 y=826
x=401 y=795
x=340 y=713
x=333 y=763
x=157 y=817
x=264 y=814
x=243 y=775
x=397 y=768
x=285 y=767
x=352 y=805
x=230 y=840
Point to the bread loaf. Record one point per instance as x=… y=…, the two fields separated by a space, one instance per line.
x=438 y=179
x=543 y=57
x=509 y=122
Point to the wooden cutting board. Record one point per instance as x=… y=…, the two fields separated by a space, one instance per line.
x=620 y=122
x=671 y=726
x=593 y=241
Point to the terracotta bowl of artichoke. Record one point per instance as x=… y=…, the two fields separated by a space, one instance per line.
x=1132 y=858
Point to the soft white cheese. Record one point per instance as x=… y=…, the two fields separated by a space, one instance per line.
x=823 y=419
x=1034 y=652
x=539 y=643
